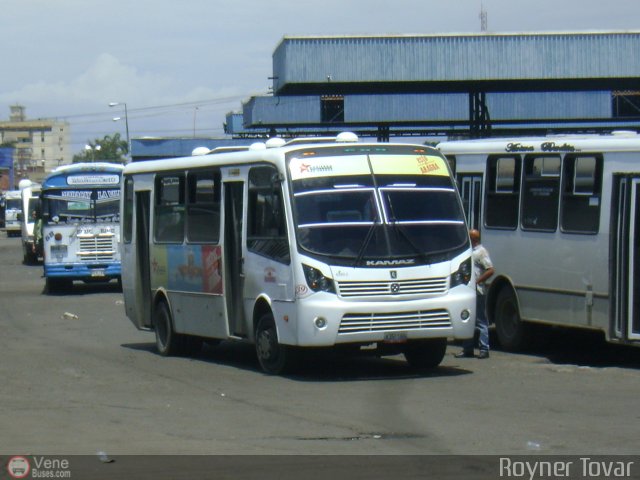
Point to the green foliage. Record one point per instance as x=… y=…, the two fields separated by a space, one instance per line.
x=110 y=148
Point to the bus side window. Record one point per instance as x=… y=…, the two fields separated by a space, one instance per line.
x=581 y=193
x=540 y=192
x=203 y=207
x=266 y=225
x=169 y=209
x=502 y=191
x=127 y=217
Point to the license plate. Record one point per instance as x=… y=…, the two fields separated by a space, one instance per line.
x=395 y=337
x=97 y=273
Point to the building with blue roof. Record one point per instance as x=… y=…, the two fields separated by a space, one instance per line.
x=454 y=85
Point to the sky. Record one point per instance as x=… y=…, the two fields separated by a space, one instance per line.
x=181 y=66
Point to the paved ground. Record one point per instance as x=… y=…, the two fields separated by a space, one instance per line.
x=89 y=382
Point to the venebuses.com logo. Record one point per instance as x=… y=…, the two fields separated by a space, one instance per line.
x=19 y=466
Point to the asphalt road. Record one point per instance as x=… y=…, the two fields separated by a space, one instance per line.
x=90 y=382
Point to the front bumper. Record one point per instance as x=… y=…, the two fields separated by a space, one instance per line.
x=83 y=271
x=450 y=316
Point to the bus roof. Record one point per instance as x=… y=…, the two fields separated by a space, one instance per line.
x=58 y=177
x=88 y=167
x=259 y=152
x=617 y=141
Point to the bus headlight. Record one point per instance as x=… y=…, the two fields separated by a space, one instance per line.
x=317 y=281
x=462 y=275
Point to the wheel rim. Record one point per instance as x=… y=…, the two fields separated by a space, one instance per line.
x=267 y=345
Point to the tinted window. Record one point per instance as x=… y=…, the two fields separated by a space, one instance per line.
x=581 y=194
x=266 y=228
x=502 y=191
x=203 y=208
x=169 y=209
x=127 y=217
x=540 y=190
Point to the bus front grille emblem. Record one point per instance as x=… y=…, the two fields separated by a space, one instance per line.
x=395 y=288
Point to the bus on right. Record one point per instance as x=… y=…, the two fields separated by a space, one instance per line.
x=561 y=218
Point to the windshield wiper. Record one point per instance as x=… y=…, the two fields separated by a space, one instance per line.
x=366 y=241
x=400 y=229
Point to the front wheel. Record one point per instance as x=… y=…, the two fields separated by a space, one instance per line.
x=274 y=358
x=426 y=354
x=512 y=332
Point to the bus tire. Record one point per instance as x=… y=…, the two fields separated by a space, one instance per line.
x=512 y=332
x=168 y=342
x=425 y=354
x=274 y=358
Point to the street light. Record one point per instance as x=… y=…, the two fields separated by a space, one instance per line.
x=93 y=150
x=126 y=122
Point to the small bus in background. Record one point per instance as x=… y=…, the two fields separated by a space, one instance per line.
x=12 y=209
x=30 y=197
x=333 y=243
x=81 y=224
x=560 y=216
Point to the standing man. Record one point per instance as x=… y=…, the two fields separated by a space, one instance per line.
x=483 y=269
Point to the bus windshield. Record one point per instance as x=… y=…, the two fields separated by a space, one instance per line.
x=72 y=206
x=13 y=204
x=390 y=212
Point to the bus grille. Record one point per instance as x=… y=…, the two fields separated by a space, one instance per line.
x=96 y=247
x=375 y=322
x=387 y=288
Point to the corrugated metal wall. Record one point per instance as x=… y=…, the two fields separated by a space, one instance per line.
x=282 y=110
x=551 y=105
x=456 y=57
x=429 y=107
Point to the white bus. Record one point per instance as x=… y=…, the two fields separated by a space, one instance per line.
x=560 y=216
x=81 y=224
x=13 y=207
x=299 y=245
x=30 y=198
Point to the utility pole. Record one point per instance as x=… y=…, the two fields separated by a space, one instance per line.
x=483 y=18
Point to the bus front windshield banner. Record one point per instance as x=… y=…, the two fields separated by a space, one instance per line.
x=72 y=206
x=365 y=210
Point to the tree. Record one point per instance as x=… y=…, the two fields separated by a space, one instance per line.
x=107 y=149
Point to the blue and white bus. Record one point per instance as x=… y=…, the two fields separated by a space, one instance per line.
x=81 y=224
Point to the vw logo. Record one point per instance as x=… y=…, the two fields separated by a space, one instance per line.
x=395 y=287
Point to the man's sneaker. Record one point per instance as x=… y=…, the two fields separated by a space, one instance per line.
x=483 y=354
x=464 y=354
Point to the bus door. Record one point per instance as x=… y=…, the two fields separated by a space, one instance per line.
x=626 y=276
x=470 y=186
x=143 y=282
x=233 y=258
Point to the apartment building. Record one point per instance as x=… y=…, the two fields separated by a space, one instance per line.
x=40 y=145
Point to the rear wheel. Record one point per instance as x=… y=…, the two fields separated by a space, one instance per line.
x=426 y=354
x=512 y=332
x=274 y=358
x=168 y=342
